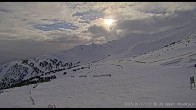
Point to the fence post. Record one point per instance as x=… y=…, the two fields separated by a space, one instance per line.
x=190 y=84
x=192 y=81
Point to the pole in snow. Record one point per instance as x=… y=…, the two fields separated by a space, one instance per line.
x=192 y=81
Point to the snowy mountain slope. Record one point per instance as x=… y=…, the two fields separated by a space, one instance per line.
x=119 y=64
x=19 y=73
x=82 y=54
x=106 y=84
x=130 y=46
x=180 y=53
x=160 y=40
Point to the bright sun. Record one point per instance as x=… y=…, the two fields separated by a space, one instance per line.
x=108 y=22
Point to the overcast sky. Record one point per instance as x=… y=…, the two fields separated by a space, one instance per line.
x=33 y=29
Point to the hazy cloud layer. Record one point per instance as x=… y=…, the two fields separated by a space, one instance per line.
x=155 y=23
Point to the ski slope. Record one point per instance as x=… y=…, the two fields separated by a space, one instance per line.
x=128 y=85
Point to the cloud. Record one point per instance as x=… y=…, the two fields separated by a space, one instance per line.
x=25 y=48
x=155 y=23
x=55 y=26
x=36 y=17
x=64 y=37
x=4 y=10
x=96 y=30
x=88 y=15
x=62 y=25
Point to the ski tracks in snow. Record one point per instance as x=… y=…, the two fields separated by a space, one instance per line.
x=31 y=98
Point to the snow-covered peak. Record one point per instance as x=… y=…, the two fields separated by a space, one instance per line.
x=126 y=47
